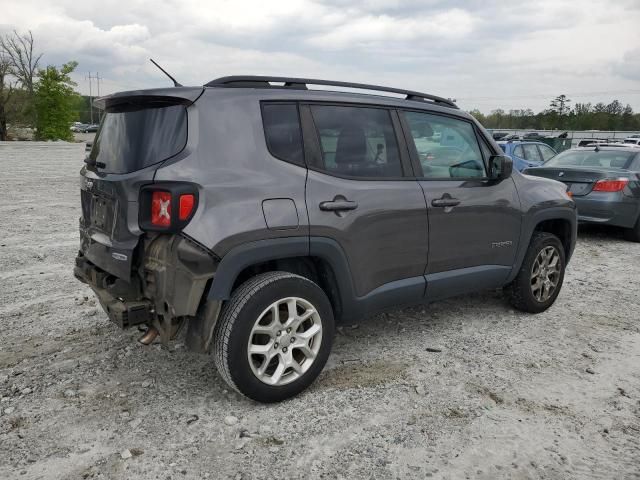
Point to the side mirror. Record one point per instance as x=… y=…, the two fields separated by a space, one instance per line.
x=500 y=167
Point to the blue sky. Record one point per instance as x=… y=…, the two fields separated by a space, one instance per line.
x=486 y=54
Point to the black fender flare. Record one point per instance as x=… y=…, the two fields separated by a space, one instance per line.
x=252 y=253
x=532 y=221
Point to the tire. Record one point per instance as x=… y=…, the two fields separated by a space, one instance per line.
x=252 y=308
x=633 y=234
x=525 y=292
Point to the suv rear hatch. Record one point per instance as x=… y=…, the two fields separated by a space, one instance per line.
x=138 y=132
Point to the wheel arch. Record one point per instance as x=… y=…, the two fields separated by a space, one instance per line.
x=320 y=259
x=560 y=221
x=561 y=228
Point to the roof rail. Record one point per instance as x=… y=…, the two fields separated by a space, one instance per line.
x=258 y=81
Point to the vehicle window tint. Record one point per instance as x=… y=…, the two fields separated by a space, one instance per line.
x=531 y=152
x=282 y=132
x=546 y=152
x=357 y=142
x=133 y=136
x=517 y=151
x=447 y=148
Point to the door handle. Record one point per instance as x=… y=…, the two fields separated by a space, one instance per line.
x=445 y=201
x=338 y=205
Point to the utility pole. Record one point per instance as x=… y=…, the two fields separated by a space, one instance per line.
x=90 y=96
x=97 y=78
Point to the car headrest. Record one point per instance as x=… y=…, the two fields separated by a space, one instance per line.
x=352 y=146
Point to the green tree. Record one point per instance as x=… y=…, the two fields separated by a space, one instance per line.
x=56 y=102
x=560 y=104
x=479 y=116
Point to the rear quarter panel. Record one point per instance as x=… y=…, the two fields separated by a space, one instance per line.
x=235 y=172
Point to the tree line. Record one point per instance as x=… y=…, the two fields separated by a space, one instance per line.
x=43 y=98
x=561 y=116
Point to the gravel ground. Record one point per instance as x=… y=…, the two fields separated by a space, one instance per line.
x=465 y=388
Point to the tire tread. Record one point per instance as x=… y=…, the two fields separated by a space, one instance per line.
x=230 y=314
x=517 y=290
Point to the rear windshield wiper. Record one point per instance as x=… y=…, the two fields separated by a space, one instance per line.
x=92 y=163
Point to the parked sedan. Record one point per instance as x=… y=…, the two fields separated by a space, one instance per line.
x=604 y=183
x=527 y=153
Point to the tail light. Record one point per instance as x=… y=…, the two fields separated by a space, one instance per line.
x=167 y=206
x=610 y=185
x=161 y=209
x=186 y=204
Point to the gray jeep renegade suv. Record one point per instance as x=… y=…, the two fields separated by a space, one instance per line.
x=256 y=213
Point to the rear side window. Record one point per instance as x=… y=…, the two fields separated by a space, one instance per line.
x=357 y=141
x=282 y=131
x=547 y=152
x=134 y=136
x=517 y=151
x=531 y=152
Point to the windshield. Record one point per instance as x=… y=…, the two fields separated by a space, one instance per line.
x=132 y=137
x=592 y=159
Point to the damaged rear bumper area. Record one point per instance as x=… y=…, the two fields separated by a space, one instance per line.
x=166 y=290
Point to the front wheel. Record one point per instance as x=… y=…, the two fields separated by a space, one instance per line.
x=540 y=278
x=274 y=336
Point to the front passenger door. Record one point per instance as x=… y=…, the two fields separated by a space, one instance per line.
x=474 y=222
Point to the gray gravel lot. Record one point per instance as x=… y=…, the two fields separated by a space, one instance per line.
x=507 y=395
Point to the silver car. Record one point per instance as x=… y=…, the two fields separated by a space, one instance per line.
x=604 y=183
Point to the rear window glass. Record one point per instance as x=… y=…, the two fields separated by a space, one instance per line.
x=132 y=137
x=591 y=158
x=282 y=132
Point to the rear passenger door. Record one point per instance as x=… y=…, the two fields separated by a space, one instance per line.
x=361 y=193
x=474 y=222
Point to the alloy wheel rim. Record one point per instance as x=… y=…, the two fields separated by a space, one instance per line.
x=284 y=341
x=545 y=274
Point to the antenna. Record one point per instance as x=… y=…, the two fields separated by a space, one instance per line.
x=175 y=82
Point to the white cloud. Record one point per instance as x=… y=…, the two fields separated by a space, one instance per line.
x=380 y=30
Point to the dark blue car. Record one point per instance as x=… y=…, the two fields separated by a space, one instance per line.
x=527 y=154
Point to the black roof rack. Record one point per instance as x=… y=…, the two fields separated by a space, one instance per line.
x=258 y=81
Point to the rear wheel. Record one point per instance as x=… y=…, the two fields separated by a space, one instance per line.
x=541 y=275
x=274 y=336
x=633 y=234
